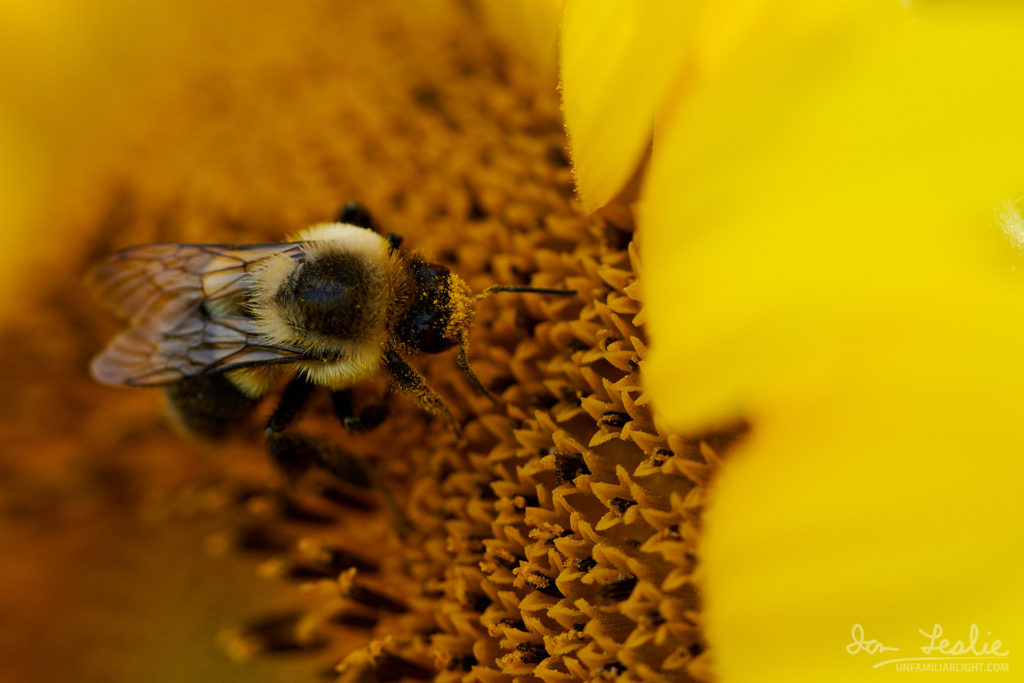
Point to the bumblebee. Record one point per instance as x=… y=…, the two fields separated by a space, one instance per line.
x=220 y=325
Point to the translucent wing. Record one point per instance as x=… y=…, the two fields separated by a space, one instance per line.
x=181 y=301
x=156 y=281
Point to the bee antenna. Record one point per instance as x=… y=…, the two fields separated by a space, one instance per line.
x=520 y=288
x=463 y=357
x=463 y=361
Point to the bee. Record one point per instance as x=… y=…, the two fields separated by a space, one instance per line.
x=221 y=325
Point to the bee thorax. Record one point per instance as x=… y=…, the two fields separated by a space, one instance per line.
x=333 y=295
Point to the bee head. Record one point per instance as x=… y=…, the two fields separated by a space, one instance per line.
x=442 y=309
x=440 y=312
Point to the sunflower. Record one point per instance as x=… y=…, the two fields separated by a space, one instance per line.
x=555 y=543
x=824 y=218
x=810 y=205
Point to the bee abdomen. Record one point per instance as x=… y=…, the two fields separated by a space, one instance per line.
x=208 y=406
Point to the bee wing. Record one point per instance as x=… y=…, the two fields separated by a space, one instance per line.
x=161 y=283
x=200 y=345
x=161 y=289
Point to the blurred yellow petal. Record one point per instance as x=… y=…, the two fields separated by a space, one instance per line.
x=837 y=171
x=823 y=258
x=19 y=193
x=529 y=28
x=617 y=58
x=893 y=504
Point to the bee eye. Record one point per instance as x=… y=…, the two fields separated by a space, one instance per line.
x=428 y=318
x=428 y=328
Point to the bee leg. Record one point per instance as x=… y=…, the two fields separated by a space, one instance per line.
x=360 y=421
x=295 y=453
x=293 y=400
x=363 y=421
x=412 y=383
x=357 y=214
x=463 y=362
x=293 y=456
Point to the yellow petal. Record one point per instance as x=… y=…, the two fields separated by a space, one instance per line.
x=529 y=28
x=834 y=172
x=823 y=258
x=895 y=507
x=617 y=58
